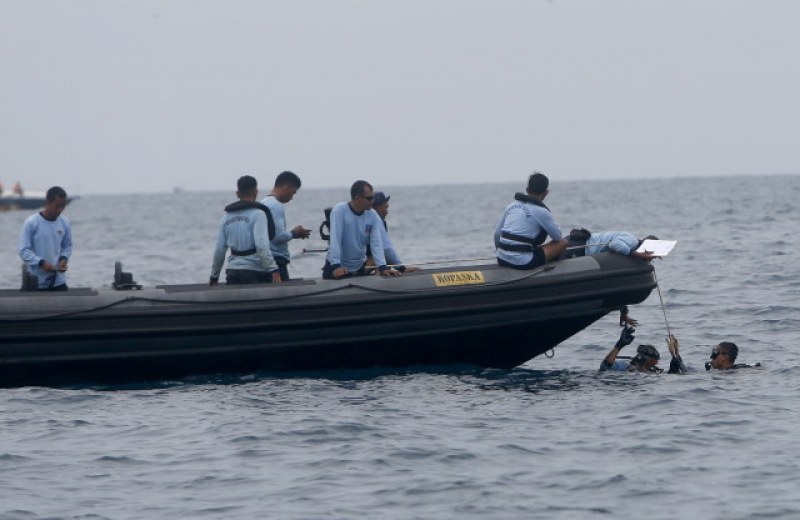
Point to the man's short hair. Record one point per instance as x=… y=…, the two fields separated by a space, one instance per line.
x=246 y=184
x=538 y=183
x=287 y=178
x=56 y=192
x=729 y=349
x=358 y=188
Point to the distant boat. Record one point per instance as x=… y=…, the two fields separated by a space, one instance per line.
x=28 y=200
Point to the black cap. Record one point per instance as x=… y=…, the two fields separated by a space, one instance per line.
x=380 y=198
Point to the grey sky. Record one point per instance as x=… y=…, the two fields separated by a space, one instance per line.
x=140 y=95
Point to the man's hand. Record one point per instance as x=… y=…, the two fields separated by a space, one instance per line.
x=62 y=265
x=48 y=267
x=644 y=255
x=624 y=319
x=300 y=232
x=672 y=345
x=625 y=338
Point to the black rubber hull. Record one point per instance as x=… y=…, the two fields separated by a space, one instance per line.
x=100 y=337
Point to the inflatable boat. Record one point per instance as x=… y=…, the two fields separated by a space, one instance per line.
x=483 y=315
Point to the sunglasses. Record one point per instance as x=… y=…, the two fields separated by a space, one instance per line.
x=368 y=197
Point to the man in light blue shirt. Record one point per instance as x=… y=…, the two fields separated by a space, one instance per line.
x=45 y=242
x=245 y=230
x=525 y=225
x=286 y=186
x=353 y=225
x=620 y=242
x=381 y=206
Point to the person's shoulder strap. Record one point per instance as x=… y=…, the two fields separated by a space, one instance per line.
x=522 y=197
x=240 y=205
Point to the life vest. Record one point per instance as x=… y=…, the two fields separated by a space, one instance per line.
x=528 y=244
x=240 y=205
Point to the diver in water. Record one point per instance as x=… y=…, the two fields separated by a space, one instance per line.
x=647 y=356
x=723 y=357
x=645 y=360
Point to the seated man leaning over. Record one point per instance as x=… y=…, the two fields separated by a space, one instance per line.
x=353 y=225
x=582 y=242
x=525 y=225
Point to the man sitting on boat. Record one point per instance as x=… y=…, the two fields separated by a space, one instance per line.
x=45 y=243
x=381 y=206
x=353 y=225
x=245 y=230
x=582 y=242
x=525 y=225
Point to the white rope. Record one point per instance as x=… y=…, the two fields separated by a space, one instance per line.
x=663 y=308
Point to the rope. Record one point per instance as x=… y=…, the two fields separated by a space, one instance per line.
x=460 y=260
x=663 y=308
x=130 y=299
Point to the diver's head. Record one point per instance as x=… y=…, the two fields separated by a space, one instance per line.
x=723 y=356
x=646 y=358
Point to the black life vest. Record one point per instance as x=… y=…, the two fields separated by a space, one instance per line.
x=240 y=205
x=528 y=243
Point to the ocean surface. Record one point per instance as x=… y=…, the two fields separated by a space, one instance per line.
x=550 y=439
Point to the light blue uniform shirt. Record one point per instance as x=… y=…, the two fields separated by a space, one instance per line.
x=48 y=240
x=619 y=242
x=280 y=244
x=241 y=231
x=389 y=252
x=522 y=218
x=350 y=234
x=618 y=366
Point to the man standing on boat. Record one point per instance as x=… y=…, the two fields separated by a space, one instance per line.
x=245 y=229
x=45 y=243
x=353 y=225
x=525 y=225
x=286 y=185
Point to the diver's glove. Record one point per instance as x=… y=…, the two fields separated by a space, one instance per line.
x=625 y=338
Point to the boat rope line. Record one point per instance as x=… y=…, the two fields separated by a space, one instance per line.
x=71 y=313
x=459 y=260
x=131 y=299
x=440 y=289
x=432 y=262
x=663 y=308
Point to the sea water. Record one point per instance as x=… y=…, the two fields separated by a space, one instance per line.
x=550 y=439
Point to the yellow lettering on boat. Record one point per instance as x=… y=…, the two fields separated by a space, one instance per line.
x=458 y=278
